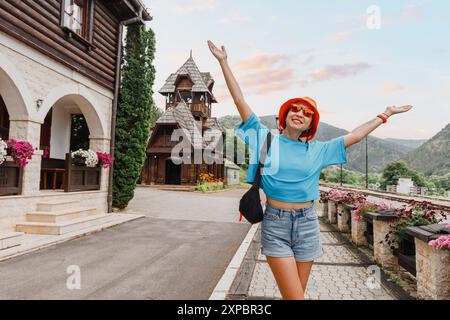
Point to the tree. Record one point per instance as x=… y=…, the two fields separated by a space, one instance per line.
x=136 y=112
x=397 y=169
x=393 y=172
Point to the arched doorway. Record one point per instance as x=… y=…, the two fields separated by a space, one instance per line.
x=14 y=110
x=4 y=120
x=67 y=127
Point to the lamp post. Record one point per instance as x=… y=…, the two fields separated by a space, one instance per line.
x=367 y=167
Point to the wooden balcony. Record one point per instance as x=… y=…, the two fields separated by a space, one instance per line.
x=10 y=179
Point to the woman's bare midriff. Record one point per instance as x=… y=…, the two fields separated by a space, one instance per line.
x=288 y=205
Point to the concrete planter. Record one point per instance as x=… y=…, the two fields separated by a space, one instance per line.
x=359 y=229
x=324 y=211
x=332 y=211
x=343 y=218
x=381 y=227
x=432 y=264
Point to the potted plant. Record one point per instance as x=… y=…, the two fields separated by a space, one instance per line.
x=443 y=242
x=417 y=214
x=3 y=151
x=104 y=159
x=88 y=158
x=20 y=151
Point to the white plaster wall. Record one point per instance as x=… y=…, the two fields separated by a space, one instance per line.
x=404 y=185
x=60 y=133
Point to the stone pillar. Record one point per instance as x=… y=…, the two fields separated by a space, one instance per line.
x=324 y=211
x=343 y=216
x=332 y=211
x=29 y=131
x=358 y=229
x=99 y=144
x=382 y=252
x=432 y=271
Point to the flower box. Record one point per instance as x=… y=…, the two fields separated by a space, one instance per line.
x=432 y=264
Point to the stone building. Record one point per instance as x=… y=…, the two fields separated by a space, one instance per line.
x=58 y=60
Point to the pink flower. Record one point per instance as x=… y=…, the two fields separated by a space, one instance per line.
x=21 y=151
x=105 y=159
x=443 y=242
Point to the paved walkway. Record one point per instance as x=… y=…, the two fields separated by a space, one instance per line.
x=178 y=251
x=338 y=275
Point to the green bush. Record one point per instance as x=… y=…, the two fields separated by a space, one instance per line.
x=135 y=113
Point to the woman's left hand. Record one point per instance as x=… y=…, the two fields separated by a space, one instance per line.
x=394 y=110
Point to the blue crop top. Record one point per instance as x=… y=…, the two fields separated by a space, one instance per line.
x=292 y=168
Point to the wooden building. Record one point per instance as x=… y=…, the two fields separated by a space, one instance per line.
x=186 y=122
x=59 y=60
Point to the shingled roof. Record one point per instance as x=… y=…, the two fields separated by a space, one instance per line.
x=182 y=116
x=202 y=80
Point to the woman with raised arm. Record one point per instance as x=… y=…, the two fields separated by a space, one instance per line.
x=290 y=234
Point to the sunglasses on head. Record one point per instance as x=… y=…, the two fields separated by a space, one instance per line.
x=307 y=111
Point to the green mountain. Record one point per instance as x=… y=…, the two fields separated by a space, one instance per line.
x=410 y=143
x=380 y=151
x=432 y=157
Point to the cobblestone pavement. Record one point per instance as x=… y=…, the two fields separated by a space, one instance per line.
x=338 y=275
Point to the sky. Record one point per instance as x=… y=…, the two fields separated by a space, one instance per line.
x=354 y=57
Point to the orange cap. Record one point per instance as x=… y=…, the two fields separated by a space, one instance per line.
x=284 y=109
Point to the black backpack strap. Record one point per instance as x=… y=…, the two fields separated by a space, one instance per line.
x=262 y=158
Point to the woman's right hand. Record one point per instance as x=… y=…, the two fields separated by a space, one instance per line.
x=221 y=55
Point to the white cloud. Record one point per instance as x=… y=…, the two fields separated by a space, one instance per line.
x=338 y=71
x=189 y=6
x=392 y=87
x=339 y=37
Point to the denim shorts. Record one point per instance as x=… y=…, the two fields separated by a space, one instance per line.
x=291 y=233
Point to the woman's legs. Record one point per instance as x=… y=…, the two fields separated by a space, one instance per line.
x=287 y=277
x=304 y=270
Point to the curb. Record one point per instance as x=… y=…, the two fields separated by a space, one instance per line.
x=224 y=285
